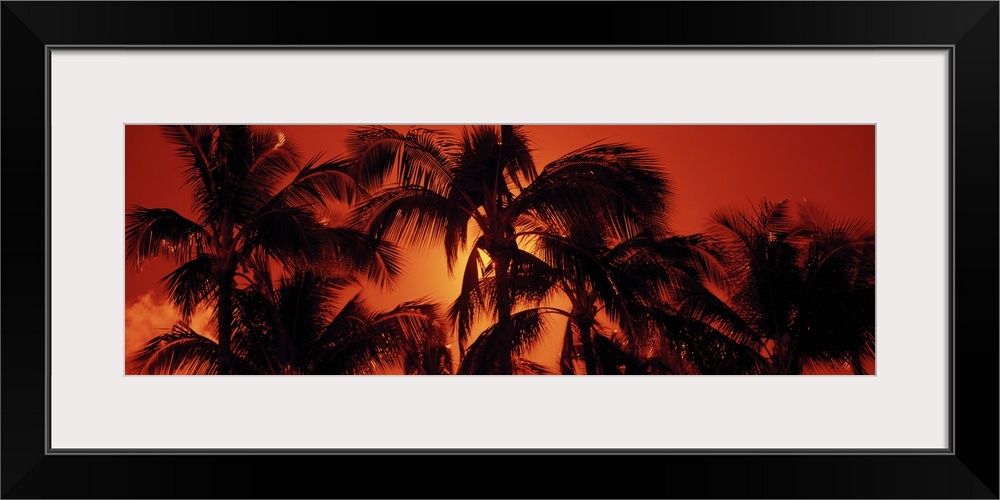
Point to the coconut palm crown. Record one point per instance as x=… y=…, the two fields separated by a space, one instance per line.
x=255 y=204
x=484 y=188
x=801 y=285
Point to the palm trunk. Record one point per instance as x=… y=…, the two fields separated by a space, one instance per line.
x=586 y=326
x=583 y=312
x=784 y=357
x=225 y=320
x=567 y=358
x=791 y=365
x=505 y=307
x=285 y=346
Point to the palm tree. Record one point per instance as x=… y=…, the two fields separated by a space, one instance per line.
x=488 y=179
x=180 y=351
x=430 y=353
x=803 y=286
x=304 y=327
x=255 y=203
x=626 y=300
x=629 y=281
x=682 y=339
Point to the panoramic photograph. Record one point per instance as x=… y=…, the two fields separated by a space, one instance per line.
x=470 y=249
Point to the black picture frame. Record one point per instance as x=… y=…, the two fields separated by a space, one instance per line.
x=970 y=29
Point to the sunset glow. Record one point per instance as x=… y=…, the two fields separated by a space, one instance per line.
x=708 y=170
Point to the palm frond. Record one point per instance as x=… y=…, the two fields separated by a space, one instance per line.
x=484 y=355
x=800 y=283
x=432 y=355
x=522 y=366
x=315 y=184
x=531 y=278
x=419 y=158
x=405 y=215
x=352 y=251
x=499 y=157
x=363 y=341
x=181 y=351
x=705 y=348
x=765 y=224
x=706 y=308
x=279 y=327
x=472 y=299
x=152 y=232
x=272 y=157
x=696 y=255
x=590 y=203
x=633 y=173
x=255 y=336
x=614 y=358
x=567 y=356
x=531 y=281
x=196 y=148
x=306 y=299
x=290 y=234
x=191 y=284
x=233 y=196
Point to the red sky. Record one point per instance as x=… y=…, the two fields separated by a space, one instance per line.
x=711 y=167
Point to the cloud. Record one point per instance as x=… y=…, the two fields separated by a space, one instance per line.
x=150 y=316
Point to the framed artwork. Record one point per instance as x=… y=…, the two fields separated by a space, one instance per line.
x=811 y=195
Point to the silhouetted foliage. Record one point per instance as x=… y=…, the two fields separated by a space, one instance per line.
x=255 y=203
x=304 y=326
x=771 y=290
x=486 y=180
x=801 y=285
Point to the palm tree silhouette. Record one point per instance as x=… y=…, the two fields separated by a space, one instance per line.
x=304 y=327
x=488 y=179
x=255 y=203
x=180 y=351
x=636 y=282
x=802 y=287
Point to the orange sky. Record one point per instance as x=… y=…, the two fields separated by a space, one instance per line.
x=711 y=167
